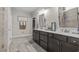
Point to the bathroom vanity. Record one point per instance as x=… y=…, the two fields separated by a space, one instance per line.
x=56 y=42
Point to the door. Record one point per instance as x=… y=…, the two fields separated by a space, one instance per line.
x=33 y=24
x=43 y=45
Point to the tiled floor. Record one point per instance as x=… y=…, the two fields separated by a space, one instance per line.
x=24 y=44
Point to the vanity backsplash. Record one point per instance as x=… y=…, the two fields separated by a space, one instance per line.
x=69 y=30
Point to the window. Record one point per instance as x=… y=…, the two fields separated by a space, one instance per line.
x=22 y=22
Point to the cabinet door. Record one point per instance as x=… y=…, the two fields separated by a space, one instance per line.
x=43 y=45
x=53 y=45
x=36 y=36
x=67 y=47
x=43 y=38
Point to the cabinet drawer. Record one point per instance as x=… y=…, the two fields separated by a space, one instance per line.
x=35 y=35
x=35 y=31
x=43 y=37
x=74 y=41
x=60 y=37
x=43 y=45
x=51 y=35
x=43 y=33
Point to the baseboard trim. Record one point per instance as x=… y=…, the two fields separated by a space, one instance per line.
x=21 y=35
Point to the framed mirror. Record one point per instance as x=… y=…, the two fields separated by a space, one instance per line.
x=42 y=21
x=68 y=18
x=61 y=16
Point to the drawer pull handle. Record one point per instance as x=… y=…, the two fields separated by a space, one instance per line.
x=74 y=41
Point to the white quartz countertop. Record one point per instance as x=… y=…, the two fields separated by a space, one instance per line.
x=61 y=33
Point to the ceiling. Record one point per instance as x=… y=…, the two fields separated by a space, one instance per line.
x=26 y=9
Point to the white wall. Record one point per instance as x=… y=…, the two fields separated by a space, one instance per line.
x=7 y=28
x=15 y=24
x=52 y=16
x=1 y=28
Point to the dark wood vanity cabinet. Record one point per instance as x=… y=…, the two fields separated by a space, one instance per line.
x=72 y=45
x=55 y=42
x=36 y=36
x=67 y=47
x=43 y=45
x=53 y=45
x=66 y=43
x=52 y=42
x=75 y=42
x=43 y=39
